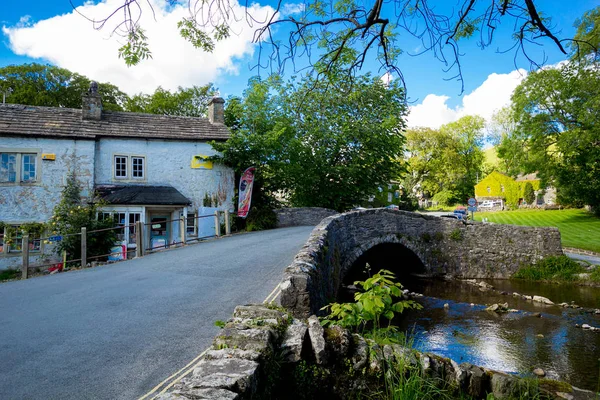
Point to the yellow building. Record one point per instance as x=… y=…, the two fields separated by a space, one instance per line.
x=498 y=186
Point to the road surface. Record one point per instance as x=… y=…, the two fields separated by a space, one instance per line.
x=116 y=331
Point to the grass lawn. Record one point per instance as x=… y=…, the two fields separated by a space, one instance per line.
x=578 y=228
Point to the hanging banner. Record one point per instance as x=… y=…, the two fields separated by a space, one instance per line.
x=245 y=194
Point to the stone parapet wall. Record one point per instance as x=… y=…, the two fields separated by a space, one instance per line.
x=264 y=353
x=302 y=216
x=444 y=246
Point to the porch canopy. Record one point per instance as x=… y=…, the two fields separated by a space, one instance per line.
x=142 y=195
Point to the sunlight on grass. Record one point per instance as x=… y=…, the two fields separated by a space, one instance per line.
x=578 y=228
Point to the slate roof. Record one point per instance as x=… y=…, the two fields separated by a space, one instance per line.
x=528 y=177
x=142 y=195
x=21 y=120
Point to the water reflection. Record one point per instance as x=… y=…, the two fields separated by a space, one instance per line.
x=512 y=342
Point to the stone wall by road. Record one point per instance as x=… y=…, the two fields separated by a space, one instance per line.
x=264 y=353
x=444 y=246
x=302 y=216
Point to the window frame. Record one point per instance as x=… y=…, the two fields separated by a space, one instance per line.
x=129 y=167
x=125 y=163
x=19 y=153
x=143 y=170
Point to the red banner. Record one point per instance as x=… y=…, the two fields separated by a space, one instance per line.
x=245 y=194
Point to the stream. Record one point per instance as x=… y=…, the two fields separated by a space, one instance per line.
x=514 y=342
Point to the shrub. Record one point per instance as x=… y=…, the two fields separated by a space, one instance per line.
x=560 y=268
x=529 y=193
x=374 y=302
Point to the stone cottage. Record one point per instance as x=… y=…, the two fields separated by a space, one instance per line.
x=500 y=187
x=149 y=168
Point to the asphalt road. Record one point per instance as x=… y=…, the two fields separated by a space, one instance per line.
x=114 y=332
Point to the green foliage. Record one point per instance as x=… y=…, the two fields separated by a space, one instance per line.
x=377 y=300
x=136 y=49
x=446 y=161
x=188 y=102
x=50 y=86
x=456 y=235
x=70 y=215
x=316 y=146
x=9 y=274
x=559 y=268
x=556 y=112
x=261 y=217
x=587 y=38
x=220 y=324
x=529 y=193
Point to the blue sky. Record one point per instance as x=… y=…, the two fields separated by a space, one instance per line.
x=48 y=31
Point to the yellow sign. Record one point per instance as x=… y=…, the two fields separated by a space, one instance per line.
x=48 y=156
x=200 y=162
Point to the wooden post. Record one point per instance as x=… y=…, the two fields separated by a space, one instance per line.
x=25 y=253
x=139 y=239
x=217 y=224
x=83 y=247
x=227 y=225
x=182 y=230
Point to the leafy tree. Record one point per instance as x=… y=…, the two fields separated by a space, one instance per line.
x=557 y=114
x=373 y=28
x=315 y=145
x=70 y=215
x=189 y=102
x=509 y=144
x=445 y=162
x=528 y=193
x=587 y=38
x=50 y=86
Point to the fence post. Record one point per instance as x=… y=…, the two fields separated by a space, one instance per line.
x=217 y=224
x=139 y=235
x=83 y=247
x=227 y=225
x=182 y=229
x=25 y=253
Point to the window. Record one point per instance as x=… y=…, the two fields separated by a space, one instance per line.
x=502 y=188
x=120 y=166
x=137 y=167
x=18 y=167
x=133 y=219
x=389 y=197
x=8 y=167
x=191 y=224
x=14 y=237
x=489 y=189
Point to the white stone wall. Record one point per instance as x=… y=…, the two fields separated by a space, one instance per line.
x=168 y=163
x=35 y=202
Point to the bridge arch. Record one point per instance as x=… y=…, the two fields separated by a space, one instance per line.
x=444 y=246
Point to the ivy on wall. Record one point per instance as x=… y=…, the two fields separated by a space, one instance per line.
x=505 y=187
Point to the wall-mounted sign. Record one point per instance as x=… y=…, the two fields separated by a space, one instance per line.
x=55 y=238
x=48 y=156
x=156 y=226
x=200 y=162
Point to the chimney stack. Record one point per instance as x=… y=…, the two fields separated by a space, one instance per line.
x=216 y=109
x=91 y=104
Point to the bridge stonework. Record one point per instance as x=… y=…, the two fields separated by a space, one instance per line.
x=444 y=246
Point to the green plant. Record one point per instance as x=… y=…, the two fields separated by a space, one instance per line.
x=71 y=214
x=9 y=274
x=426 y=237
x=377 y=300
x=220 y=324
x=559 y=268
x=456 y=235
x=528 y=193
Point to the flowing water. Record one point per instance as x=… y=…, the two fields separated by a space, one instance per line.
x=514 y=342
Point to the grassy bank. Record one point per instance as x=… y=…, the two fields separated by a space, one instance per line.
x=578 y=228
x=557 y=269
x=9 y=274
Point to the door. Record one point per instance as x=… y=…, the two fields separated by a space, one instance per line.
x=159 y=232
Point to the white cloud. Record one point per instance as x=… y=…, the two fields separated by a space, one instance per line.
x=70 y=41
x=493 y=94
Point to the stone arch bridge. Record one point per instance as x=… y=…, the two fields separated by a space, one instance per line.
x=444 y=247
